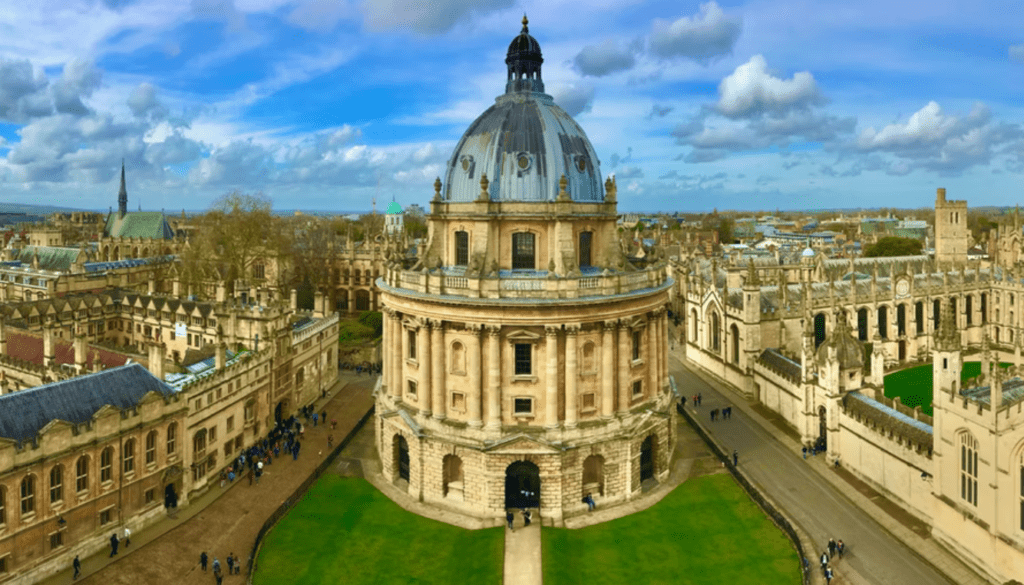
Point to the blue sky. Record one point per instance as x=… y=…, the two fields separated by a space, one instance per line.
x=325 y=104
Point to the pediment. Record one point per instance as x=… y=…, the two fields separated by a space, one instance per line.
x=523 y=336
x=521 y=444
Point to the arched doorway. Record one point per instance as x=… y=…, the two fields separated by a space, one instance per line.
x=647 y=459
x=279 y=411
x=402 y=457
x=170 y=497
x=522 y=485
x=593 y=475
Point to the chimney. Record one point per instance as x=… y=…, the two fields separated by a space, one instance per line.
x=156 y=359
x=152 y=284
x=295 y=300
x=318 y=304
x=940 y=194
x=222 y=293
x=81 y=348
x=48 y=353
x=220 y=356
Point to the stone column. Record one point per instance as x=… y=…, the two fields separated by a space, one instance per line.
x=397 y=357
x=494 y=377
x=551 y=398
x=424 y=345
x=475 y=391
x=625 y=359
x=663 y=348
x=608 y=370
x=351 y=299
x=571 y=374
x=653 y=355
x=385 y=355
x=437 y=370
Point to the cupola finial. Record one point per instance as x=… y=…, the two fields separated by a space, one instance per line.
x=526 y=21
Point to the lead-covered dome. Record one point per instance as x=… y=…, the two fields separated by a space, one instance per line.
x=524 y=143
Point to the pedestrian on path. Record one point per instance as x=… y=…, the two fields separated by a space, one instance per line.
x=831 y=547
x=231 y=563
x=113 y=544
x=127 y=537
x=828 y=575
x=238 y=564
x=323 y=416
x=316 y=415
x=805 y=451
x=330 y=442
x=202 y=560
x=216 y=565
x=840 y=547
x=510 y=518
x=699 y=399
x=77 y=565
x=526 y=517
x=735 y=458
x=824 y=561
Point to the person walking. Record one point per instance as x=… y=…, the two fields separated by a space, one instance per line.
x=840 y=547
x=510 y=518
x=805 y=451
x=316 y=415
x=828 y=575
x=127 y=537
x=216 y=565
x=238 y=564
x=77 y=566
x=113 y=544
x=526 y=517
x=203 y=559
x=831 y=547
x=330 y=441
x=824 y=561
x=699 y=399
x=231 y=563
x=735 y=458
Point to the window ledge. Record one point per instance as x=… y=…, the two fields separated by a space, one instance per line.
x=524 y=378
x=524 y=415
x=637 y=363
x=588 y=410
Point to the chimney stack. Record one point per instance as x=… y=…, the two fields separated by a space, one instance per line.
x=221 y=356
x=48 y=353
x=295 y=300
x=940 y=194
x=318 y=304
x=81 y=349
x=156 y=359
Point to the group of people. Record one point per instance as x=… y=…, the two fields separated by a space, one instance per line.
x=834 y=548
x=234 y=565
x=510 y=517
x=725 y=412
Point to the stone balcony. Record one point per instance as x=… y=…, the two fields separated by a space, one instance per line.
x=528 y=284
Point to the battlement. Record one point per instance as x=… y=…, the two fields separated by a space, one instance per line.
x=207 y=379
x=316 y=326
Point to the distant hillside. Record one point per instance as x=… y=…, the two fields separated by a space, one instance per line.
x=34 y=209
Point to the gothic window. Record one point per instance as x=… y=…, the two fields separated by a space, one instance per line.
x=57 y=484
x=28 y=494
x=3 y=506
x=82 y=474
x=1021 y=495
x=969 y=469
x=901 y=320
x=819 y=329
x=461 y=248
x=523 y=255
x=735 y=331
x=716 y=342
x=984 y=308
x=919 y=317
x=862 y=324
x=883 y=322
x=107 y=464
x=936 y=314
x=969 y=308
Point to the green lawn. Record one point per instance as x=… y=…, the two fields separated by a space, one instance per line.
x=705 y=532
x=914 y=385
x=345 y=531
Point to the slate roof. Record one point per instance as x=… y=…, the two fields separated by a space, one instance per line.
x=138 y=224
x=777 y=362
x=25 y=412
x=889 y=418
x=1013 y=390
x=50 y=257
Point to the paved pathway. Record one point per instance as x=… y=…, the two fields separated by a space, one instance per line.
x=817 y=498
x=224 y=520
x=522 y=553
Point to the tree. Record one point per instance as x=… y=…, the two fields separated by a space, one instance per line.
x=893 y=246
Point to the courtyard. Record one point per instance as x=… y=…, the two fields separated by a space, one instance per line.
x=914 y=385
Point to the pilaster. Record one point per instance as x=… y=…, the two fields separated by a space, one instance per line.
x=474 y=396
x=493 y=376
x=571 y=375
x=624 y=367
x=425 y=358
x=551 y=398
x=608 y=370
x=437 y=370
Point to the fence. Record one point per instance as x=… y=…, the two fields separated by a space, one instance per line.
x=299 y=492
x=754 y=493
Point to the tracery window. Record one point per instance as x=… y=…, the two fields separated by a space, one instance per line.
x=969 y=469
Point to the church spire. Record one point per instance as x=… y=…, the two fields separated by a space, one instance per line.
x=122 y=196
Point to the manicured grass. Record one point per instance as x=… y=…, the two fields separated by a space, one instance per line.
x=345 y=531
x=914 y=385
x=706 y=532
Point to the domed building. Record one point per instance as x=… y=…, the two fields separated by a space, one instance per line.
x=525 y=357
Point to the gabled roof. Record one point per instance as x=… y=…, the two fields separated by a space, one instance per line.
x=50 y=257
x=24 y=413
x=28 y=347
x=138 y=224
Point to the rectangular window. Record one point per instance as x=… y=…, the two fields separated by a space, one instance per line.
x=412 y=344
x=56 y=540
x=129 y=457
x=523 y=255
x=172 y=436
x=636 y=345
x=458 y=401
x=523 y=355
x=523 y=406
x=585 y=239
x=230 y=424
x=105 y=517
x=638 y=388
x=412 y=389
x=28 y=495
x=588 y=401
x=56 y=484
x=3 y=565
x=150 y=495
x=461 y=248
x=151 y=448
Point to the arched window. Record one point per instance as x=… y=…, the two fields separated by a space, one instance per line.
x=56 y=484
x=458 y=365
x=919 y=317
x=969 y=469
x=862 y=324
x=128 y=456
x=107 y=465
x=735 y=344
x=716 y=342
x=936 y=314
x=883 y=322
x=693 y=319
x=199 y=444
x=172 y=436
x=82 y=474
x=901 y=320
x=462 y=248
x=969 y=309
x=28 y=494
x=151 y=448
x=984 y=308
x=362 y=300
x=1021 y=464
x=820 y=329
x=523 y=251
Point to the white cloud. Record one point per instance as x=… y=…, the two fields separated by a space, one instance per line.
x=706 y=35
x=21 y=92
x=79 y=79
x=425 y=17
x=751 y=90
x=605 y=58
x=574 y=99
x=143 y=101
x=319 y=15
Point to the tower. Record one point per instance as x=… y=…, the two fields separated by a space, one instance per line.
x=950 y=229
x=946 y=359
x=122 y=196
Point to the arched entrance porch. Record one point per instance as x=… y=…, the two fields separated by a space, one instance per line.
x=522 y=485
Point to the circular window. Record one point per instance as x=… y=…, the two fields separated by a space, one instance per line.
x=467 y=161
x=581 y=164
x=524 y=162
